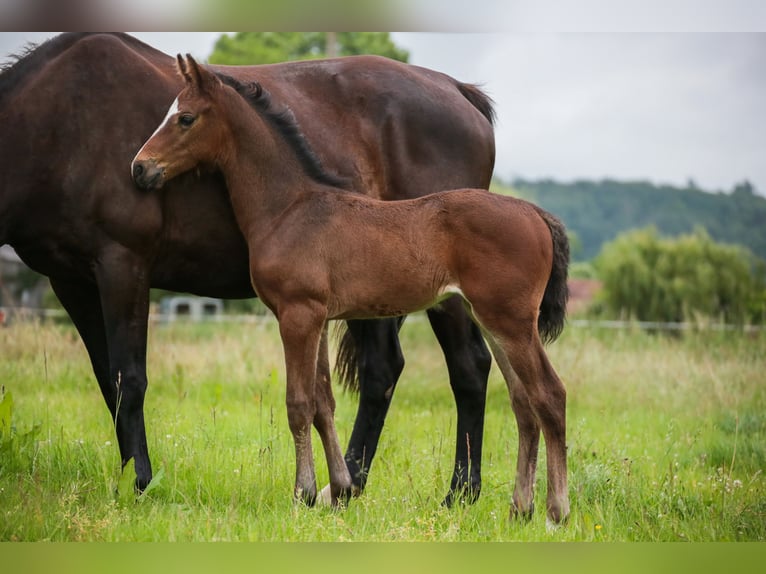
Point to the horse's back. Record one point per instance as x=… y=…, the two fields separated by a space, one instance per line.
x=401 y=130
x=494 y=228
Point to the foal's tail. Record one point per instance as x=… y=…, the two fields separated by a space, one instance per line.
x=553 y=309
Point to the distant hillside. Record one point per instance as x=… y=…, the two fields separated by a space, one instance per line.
x=597 y=211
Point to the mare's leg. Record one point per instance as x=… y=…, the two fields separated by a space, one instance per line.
x=468 y=363
x=379 y=362
x=81 y=302
x=123 y=287
x=324 y=421
x=529 y=436
x=300 y=326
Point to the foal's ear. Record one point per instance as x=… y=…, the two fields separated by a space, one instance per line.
x=195 y=75
x=183 y=69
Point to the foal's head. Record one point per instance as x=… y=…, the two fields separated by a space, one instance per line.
x=191 y=134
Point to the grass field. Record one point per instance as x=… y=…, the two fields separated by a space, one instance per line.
x=667 y=442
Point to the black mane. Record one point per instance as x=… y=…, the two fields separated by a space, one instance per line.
x=32 y=57
x=27 y=62
x=284 y=121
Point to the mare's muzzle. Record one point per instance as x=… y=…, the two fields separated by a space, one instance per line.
x=147 y=174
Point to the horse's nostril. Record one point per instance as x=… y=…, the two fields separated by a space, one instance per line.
x=138 y=170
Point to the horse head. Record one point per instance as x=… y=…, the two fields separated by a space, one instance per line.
x=188 y=136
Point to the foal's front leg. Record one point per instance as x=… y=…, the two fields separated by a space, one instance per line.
x=300 y=327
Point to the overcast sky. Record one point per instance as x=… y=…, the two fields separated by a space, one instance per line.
x=663 y=107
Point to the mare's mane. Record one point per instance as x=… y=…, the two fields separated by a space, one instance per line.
x=30 y=59
x=284 y=122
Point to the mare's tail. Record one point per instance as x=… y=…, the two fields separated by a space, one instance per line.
x=347 y=361
x=553 y=308
x=478 y=100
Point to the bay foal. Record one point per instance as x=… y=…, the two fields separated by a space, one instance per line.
x=318 y=252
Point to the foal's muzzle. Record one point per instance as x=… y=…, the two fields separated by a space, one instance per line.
x=147 y=174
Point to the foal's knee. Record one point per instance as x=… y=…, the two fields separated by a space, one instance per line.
x=300 y=414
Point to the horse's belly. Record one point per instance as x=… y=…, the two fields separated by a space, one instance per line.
x=381 y=301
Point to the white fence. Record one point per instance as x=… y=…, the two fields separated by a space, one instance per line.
x=660 y=326
x=11 y=314
x=24 y=313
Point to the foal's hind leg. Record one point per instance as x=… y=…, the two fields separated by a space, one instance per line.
x=529 y=436
x=518 y=340
x=547 y=397
x=324 y=421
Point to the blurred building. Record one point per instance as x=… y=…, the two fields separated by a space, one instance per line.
x=19 y=285
x=189 y=308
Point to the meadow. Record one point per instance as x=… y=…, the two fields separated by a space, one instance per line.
x=666 y=435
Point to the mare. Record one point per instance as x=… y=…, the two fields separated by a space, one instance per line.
x=75 y=110
x=321 y=253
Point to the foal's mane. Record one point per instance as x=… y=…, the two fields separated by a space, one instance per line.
x=284 y=122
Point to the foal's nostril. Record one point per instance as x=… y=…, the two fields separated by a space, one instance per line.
x=147 y=174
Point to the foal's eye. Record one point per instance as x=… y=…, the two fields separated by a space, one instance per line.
x=186 y=120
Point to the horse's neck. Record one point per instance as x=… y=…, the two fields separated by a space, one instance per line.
x=263 y=175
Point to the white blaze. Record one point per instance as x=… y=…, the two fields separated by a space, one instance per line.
x=171 y=112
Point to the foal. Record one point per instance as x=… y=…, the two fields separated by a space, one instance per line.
x=318 y=253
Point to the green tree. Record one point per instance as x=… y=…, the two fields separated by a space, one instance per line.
x=273 y=47
x=599 y=210
x=654 y=278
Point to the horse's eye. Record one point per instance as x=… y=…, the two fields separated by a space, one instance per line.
x=186 y=120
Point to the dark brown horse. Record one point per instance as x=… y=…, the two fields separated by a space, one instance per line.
x=321 y=253
x=75 y=110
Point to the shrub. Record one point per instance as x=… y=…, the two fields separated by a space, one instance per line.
x=653 y=278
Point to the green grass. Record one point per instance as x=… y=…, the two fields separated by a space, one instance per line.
x=667 y=442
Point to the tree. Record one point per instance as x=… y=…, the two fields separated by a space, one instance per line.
x=744 y=188
x=653 y=278
x=273 y=47
x=599 y=210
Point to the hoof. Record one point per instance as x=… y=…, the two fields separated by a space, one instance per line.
x=305 y=496
x=325 y=496
x=556 y=518
x=552 y=526
x=558 y=510
x=523 y=514
x=462 y=495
